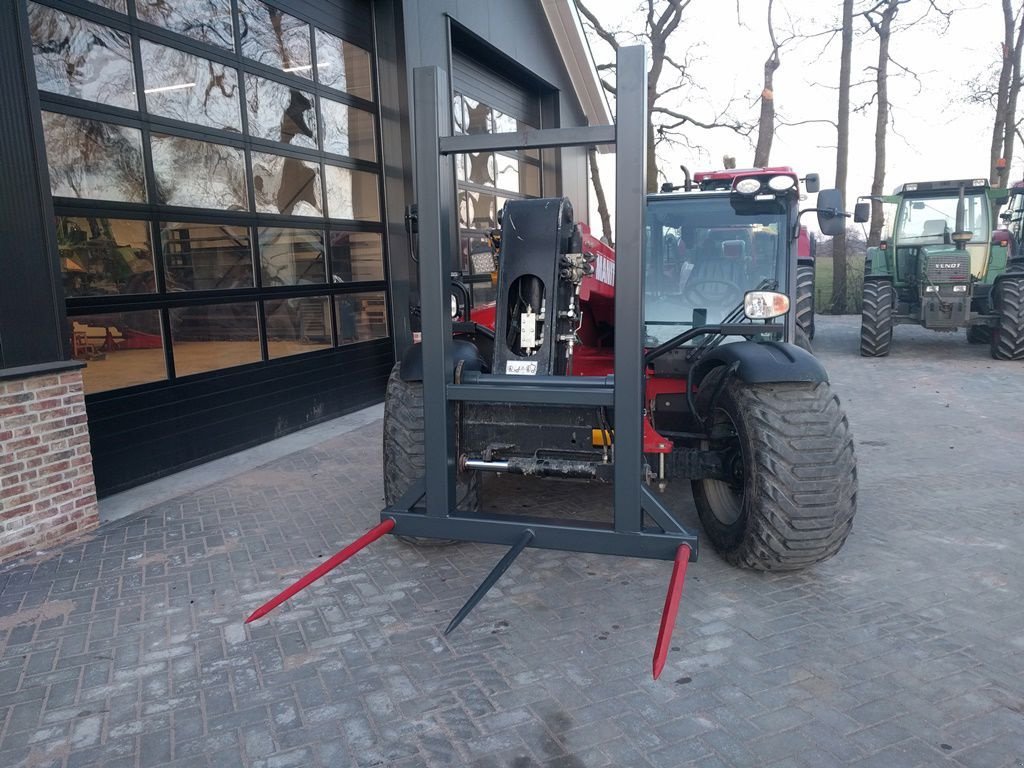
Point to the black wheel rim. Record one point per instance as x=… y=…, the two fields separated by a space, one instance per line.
x=726 y=498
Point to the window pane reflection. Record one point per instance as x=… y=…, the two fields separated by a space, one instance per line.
x=352 y=194
x=198 y=174
x=477 y=210
x=291 y=256
x=348 y=131
x=286 y=185
x=477 y=116
x=280 y=113
x=361 y=317
x=344 y=66
x=274 y=38
x=507 y=176
x=79 y=58
x=187 y=88
x=356 y=256
x=205 y=20
x=206 y=257
x=121 y=6
x=207 y=338
x=94 y=160
x=295 y=326
x=121 y=349
x=101 y=257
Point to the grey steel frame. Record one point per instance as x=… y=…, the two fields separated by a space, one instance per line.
x=438 y=517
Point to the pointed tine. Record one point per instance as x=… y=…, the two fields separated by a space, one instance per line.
x=525 y=538
x=668 y=613
x=324 y=568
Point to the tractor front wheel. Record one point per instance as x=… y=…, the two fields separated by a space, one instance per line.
x=1008 y=336
x=805 y=298
x=792 y=494
x=876 y=319
x=404 y=450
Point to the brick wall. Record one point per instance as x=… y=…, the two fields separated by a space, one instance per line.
x=47 y=493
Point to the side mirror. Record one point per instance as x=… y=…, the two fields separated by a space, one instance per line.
x=812 y=183
x=862 y=212
x=1005 y=216
x=830 y=212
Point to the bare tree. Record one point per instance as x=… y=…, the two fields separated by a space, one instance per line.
x=602 y=200
x=667 y=78
x=766 y=120
x=882 y=25
x=842 y=157
x=1004 y=126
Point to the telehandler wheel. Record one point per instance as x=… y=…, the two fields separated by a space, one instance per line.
x=793 y=494
x=1008 y=336
x=876 y=319
x=404 y=451
x=979 y=334
x=805 y=299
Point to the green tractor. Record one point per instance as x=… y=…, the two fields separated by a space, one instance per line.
x=939 y=266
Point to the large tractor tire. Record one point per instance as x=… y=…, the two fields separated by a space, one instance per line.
x=876 y=319
x=793 y=495
x=404 y=450
x=1008 y=336
x=805 y=298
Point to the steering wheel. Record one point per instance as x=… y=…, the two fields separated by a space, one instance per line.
x=698 y=293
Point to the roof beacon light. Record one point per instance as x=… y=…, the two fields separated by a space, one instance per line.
x=979 y=182
x=763 y=305
x=910 y=187
x=748 y=186
x=781 y=183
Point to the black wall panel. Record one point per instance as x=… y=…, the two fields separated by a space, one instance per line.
x=142 y=434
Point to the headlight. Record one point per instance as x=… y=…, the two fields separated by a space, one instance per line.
x=781 y=183
x=959 y=289
x=748 y=186
x=455 y=307
x=763 y=305
x=931 y=289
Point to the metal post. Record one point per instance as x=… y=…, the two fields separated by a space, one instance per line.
x=630 y=202
x=434 y=190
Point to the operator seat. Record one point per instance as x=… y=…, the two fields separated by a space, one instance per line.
x=719 y=275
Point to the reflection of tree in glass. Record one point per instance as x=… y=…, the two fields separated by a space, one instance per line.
x=198 y=173
x=206 y=20
x=90 y=159
x=78 y=58
x=274 y=38
x=188 y=88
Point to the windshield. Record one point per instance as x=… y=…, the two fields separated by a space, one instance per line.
x=927 y=221
x=702 y=255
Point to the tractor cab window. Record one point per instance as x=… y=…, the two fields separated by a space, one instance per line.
x=702 y=255
x=931 y=220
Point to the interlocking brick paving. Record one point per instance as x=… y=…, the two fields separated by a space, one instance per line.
x=127 y=648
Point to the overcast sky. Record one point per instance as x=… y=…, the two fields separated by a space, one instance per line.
x=940 y=136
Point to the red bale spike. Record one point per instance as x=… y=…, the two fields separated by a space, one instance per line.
x=668 y=613
x=324 y=568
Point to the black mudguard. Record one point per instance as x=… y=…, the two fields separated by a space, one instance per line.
x=463 y=351
x=763 y=362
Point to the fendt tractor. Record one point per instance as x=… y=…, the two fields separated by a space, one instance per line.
x=940 y=266
x=731 y=404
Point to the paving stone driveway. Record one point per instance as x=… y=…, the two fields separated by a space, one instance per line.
x=128 y=648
